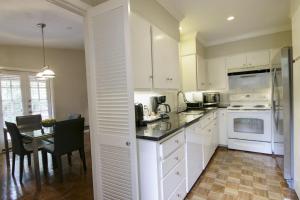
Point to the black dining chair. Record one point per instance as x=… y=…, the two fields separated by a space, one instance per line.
x=68 y=137
x=29 y=122
x=20 y=148
x=74 y=116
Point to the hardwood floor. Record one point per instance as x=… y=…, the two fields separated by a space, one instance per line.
x=230 y=175
x=76 y=185
x=237 y=175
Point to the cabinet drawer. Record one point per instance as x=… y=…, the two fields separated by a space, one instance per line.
x=171 y=145
x=169 y=163
x=173 y=179
x=206 y=120
x=180 y=192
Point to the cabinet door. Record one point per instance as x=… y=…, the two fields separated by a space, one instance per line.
x=165 y=54
x=141 y=52
x=201 y=73
x=189 y=73
x=258 y=58
x=236 y=61
x=217 y=74
x=174 y=70
x=296 y=33
x=222 y=124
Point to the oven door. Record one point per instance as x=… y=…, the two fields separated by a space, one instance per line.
x=250 y=125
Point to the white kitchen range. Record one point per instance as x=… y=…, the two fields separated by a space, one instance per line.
x=250 y=123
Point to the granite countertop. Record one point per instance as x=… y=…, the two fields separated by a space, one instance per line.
x=160 y=129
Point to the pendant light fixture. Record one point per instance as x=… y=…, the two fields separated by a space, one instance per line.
x=45 y=72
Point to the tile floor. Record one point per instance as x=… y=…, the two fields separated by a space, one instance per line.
x=242 y=176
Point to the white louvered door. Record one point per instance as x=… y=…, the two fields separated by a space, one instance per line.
x=111 y=105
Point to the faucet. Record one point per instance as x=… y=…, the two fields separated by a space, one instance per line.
x=184 y=100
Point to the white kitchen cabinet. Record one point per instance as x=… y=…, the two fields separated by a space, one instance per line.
x=248 y=60
x=193 y=73
x=236 y=61
x=217 y=74
x=201 y=73
x=141 y=49
x=162 y=168
x=258 y=58
x=189 y=72
x=165 y=55
x=194 y=153
x=222 y=126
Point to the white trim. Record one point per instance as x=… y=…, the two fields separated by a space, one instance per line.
x=247 y=36
x=74 y=6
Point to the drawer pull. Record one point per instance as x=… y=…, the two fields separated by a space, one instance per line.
x=178 y=195
x=177 y=141
x=177 y=173
x=176 y=158
x=209 y=130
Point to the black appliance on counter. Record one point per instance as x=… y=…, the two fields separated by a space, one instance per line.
x=159 y=105
x=211 y=99
x=139 y=115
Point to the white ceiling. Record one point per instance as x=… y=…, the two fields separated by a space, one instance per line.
x=208 y=18
x=18 y=19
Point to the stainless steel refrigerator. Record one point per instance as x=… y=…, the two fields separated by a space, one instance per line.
x=282 y=100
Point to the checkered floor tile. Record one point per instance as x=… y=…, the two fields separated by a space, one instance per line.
x=236 y=175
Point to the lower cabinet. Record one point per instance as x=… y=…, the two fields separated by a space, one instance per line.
x=162 y=168
x=168 y=169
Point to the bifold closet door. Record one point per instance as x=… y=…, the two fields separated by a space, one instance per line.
x=111 y=104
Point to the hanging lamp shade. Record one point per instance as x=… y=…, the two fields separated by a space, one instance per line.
x=45 y=72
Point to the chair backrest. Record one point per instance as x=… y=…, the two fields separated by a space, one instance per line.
x=16 y=138
x=74 y=116
x=68 y=135
x=29 y=122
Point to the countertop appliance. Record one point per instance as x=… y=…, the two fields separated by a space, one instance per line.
x=159 y=105
x=139 y=115
x=282 y=109
x=249 y=122
x=211 y=99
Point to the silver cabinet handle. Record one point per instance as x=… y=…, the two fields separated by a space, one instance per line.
x=177 y=173
x=176 y=158
x=176 y=141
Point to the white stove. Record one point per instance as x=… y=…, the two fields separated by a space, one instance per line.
x=249 y=123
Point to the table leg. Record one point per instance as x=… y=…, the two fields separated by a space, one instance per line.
x=6 y=147
x=36 y=164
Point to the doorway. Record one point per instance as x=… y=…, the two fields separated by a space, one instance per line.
x=22 y=93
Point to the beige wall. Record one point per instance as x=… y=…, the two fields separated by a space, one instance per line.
x=70 y=93
x=275 y=40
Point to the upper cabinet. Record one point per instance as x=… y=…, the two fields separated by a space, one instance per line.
x=201 y=73
x=193 y=71
x=217 y=74
x=165 y=55
x=236 y=61
x=258 y=58
x=141 y=51
x=248 y=60
x=155 y=57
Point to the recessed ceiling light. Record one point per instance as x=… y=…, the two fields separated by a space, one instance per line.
x=230 y=18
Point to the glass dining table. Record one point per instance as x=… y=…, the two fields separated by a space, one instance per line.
x=35 y=137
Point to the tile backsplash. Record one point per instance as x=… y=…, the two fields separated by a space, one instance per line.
x=143 y=97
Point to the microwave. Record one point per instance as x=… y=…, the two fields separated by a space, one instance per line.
x=211 y=99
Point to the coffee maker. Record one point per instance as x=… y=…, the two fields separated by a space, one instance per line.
x=159 y=106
